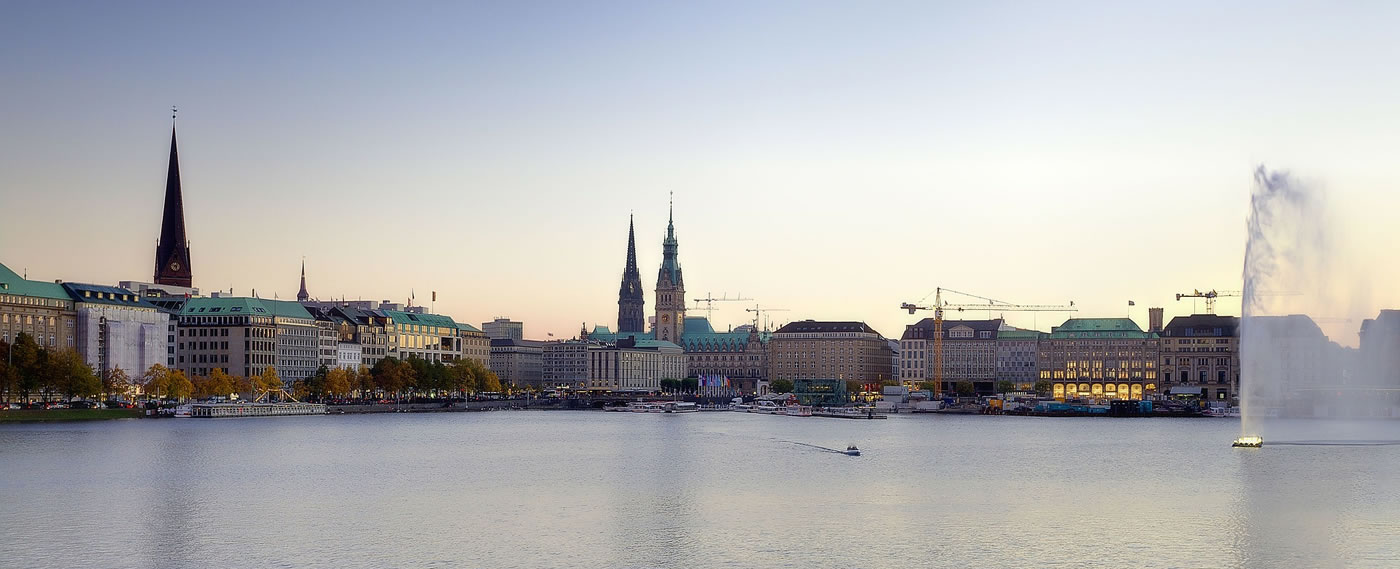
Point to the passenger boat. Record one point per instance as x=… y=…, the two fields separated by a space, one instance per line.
x=796 y=411
x=765 y=407
x=852 y=451
x=680 y=407
x=646 y=407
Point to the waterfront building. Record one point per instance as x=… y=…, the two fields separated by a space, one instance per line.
x=634 y=365
x=1297 y=365
x=518 y=362
x=349 y=355
x=430 y=337
x=631 y=301
x=504 y=328
x=1100 y=358
x=670 y=288
x=565 y=364
x=116 y=328
x=1201 y=356
x=235 y=334
x=43 y=310
x=740 y=355
x=172 y=265
x=474 y=343
x=366 y=328
x=298 y=340
x=1018 y=354
x=841 y=350
x=969 y=353
x=820 y=392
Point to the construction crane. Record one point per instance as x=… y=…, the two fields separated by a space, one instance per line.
x=1210 y=297
x=759 y=311
x=710 y=301
x=992 y=305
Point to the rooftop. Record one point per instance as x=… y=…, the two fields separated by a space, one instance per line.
x=1099 y=328
x=814 y=326
x=12 y=283
x=101 y=294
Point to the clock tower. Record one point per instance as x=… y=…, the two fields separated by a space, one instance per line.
x=173 y=250
x=670 y=288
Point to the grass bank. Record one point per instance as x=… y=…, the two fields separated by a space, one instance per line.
x=36 y=415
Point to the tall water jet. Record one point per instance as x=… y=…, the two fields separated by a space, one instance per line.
x=1295 y=276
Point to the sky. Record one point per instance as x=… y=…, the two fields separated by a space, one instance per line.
x=833 y=159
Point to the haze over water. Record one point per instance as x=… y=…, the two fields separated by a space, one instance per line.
x=589 y=489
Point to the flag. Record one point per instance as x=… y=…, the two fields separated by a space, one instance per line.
x=434 y=296
x=1131 y=303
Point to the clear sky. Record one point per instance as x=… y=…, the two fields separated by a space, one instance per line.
x=831 y=158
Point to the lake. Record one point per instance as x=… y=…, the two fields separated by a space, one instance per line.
x=593 y=489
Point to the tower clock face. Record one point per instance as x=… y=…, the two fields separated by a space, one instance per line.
x=665 y=317
x=174 y=265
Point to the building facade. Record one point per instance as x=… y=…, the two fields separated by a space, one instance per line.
x=116 y=328
x=634 y=365
x=1201 y=352
x=1018 y=357
x=43 y=310
x=518 y=362
x=504 y=329
x=738 y=357
x=969 y=353
x=474 y=343
x=1100 y=358
x=565 y=364
x=430 y=337
x=830 y=350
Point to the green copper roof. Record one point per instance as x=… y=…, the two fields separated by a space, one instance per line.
x=420 y=319
x=11 y=283
x=1020 y=334
x=655 y=344
x=1094 y=328
x=242 y=305
x=467 y=327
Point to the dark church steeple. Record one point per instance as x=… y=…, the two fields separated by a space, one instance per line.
x=631 y=301
x=302 y=295
x=173 y=251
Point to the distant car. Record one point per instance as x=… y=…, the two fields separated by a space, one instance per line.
x=56 y=405
x=13 y=406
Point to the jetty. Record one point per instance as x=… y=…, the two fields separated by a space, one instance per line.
x=218 y=410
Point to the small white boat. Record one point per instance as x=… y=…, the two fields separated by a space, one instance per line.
x=852 y=451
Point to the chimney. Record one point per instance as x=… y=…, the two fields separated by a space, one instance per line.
x=1154 y=320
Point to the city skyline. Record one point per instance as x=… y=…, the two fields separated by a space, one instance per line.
x=812 y=180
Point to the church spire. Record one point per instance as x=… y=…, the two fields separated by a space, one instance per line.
x=670 y=286
x=630 y=298
x=302 y=295
x=172 y=251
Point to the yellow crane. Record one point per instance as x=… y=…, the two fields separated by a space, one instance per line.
x=992 y=305
x=710 y=301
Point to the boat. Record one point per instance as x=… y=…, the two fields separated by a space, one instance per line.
x=848 y=413
x=740 y=407
x=852 y=451
x=184 y=411
x=221 y=410
x=1248 y=442
x=645 y=407
x=765 y=407
x=680 y=407
x=796 y=411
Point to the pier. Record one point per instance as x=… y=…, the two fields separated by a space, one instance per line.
x=218 y=410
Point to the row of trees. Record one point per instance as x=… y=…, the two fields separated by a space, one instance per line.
x=27 y=369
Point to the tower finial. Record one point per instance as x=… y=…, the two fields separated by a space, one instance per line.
x=173 y=111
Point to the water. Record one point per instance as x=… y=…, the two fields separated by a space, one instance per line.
x=591 y=489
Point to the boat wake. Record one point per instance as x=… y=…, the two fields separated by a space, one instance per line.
x=822 y=448
x=1336 y=443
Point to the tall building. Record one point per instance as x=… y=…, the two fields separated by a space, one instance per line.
x=1018 y=353
x=738 y=357
x=504 y=329
x=1201 y=356
x=566 y=364
x=1100 y=358
x=173 y=249
x=1380 y=350
x=518 y=362
x=830 y=350
x=631 y=301
x=670 y=288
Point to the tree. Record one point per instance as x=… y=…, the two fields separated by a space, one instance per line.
x=179 y=386
x=9 y=378
x=965 y=389
x=28 y=359
x=928 y=386
x=156 y=381
x=780 y=386
x=1043 y=387
x=338 y=382
x=669 y=385
x=1004 y=386
x=269 y=381
x=364 y=381
x=389 y=375
x=67 y=373
x=217 y=384
x=489 y=382
x=115 y=382
x=461 y=377
x=690 y=385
